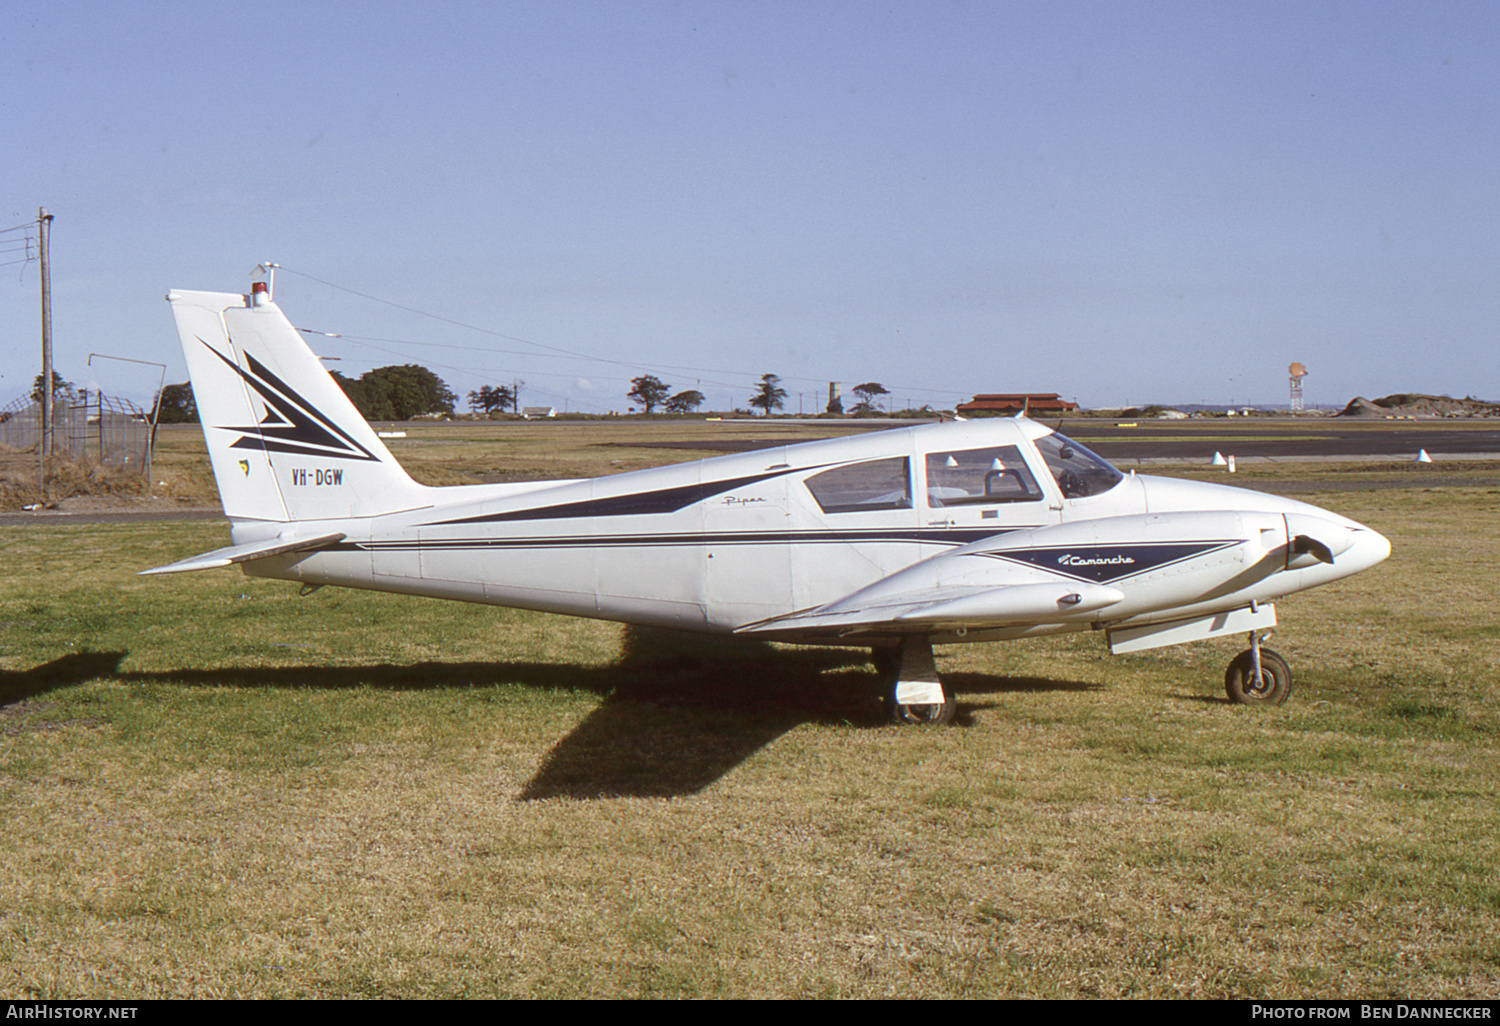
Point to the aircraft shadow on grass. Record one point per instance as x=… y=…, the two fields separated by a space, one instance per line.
x=17 y=686
x=679 y=711
x=684 y=712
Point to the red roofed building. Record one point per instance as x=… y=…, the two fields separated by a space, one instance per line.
x=1015 y=402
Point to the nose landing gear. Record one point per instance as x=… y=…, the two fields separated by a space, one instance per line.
x=1258 y=676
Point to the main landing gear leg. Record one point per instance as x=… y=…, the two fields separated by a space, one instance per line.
x=1258 y=676
x=916 y=694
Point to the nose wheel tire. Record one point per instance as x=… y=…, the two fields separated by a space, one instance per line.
x=1271 y=688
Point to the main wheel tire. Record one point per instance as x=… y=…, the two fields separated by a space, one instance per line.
x=1273 y=687
x=924 y=714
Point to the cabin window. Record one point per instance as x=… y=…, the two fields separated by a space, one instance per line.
x=864 y=487
x=979 y=477
x=1078 y=472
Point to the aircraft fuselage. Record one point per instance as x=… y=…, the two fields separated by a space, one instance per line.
x=729 y=542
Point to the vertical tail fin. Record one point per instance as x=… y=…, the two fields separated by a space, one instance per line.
x=285 y=442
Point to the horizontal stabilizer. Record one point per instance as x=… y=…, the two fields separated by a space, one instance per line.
x=232 y=554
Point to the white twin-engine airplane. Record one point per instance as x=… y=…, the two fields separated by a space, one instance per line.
x=896 y=540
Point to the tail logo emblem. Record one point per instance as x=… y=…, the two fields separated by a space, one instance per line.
x=291 y=424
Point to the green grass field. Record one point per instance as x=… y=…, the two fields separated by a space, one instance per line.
x=213 y=787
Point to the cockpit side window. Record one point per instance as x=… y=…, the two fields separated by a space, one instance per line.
x=1078 y=472
x=979 y=477
x=864 y=487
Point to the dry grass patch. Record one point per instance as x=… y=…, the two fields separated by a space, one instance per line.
x=215 y=788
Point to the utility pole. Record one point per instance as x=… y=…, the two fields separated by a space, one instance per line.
x=44 y=232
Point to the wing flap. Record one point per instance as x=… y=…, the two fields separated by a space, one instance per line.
x=231 y=554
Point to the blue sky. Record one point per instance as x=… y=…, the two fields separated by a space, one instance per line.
x=1120 y=202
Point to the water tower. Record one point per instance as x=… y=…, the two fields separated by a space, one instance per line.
x=1297 y=373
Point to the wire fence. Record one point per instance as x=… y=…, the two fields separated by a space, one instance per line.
x=87 y=426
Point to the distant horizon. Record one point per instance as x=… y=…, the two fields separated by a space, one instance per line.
x=461 y=407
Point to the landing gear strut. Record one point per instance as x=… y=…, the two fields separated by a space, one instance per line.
x=912 y=689
x=1258 y=676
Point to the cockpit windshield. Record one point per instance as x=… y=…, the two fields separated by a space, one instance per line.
x=1078 y=472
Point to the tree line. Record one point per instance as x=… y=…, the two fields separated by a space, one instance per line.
x=649 y=392
x=385 y=393
x=488 y=399
x=410 y=390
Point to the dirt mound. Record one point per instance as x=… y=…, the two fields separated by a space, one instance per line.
x=1408 y=404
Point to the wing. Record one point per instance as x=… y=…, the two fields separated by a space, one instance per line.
x=1085 y=573
x=940 y=608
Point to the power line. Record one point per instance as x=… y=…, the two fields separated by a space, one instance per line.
x=367 y=342
x=25 y=244
x=447 y=320
x=554 y=352
x=481 y=371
